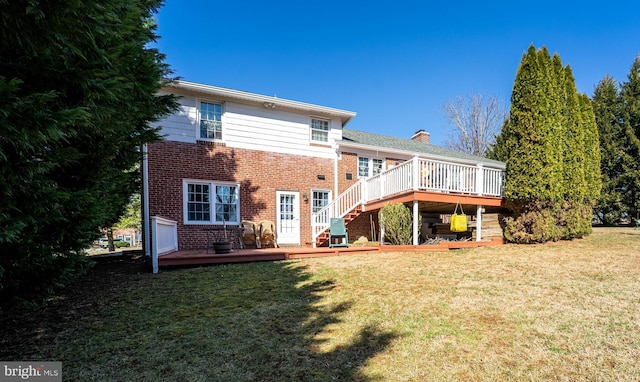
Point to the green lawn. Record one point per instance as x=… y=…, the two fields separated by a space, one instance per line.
x=566 y=311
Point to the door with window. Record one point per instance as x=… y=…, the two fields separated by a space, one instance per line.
x=288 y=217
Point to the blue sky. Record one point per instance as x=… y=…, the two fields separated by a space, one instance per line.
x=394 y=63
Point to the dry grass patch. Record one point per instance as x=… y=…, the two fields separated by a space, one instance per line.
x=560 y=311
x=566 y=311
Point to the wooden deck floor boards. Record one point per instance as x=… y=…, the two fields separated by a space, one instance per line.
x=202 y=257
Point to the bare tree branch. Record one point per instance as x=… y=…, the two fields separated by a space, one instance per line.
x=475 y=121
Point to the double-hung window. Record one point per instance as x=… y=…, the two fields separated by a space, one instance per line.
x=363 y=167
x=377 y=166
x=368 y=167
x=319 y=199
x=319 y=130
x=211 y=202
x=210 y=120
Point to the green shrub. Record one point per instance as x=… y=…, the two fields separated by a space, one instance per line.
x=397 y=223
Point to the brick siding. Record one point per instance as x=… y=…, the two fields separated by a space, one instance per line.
x=260 y=174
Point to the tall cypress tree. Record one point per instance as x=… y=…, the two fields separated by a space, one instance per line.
x=532 y=164
x=544 y=146
x=573 y=141
x=592 y=177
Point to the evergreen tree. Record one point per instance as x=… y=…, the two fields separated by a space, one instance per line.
x=630 y=96
x=592 y=177
x=78 y=85
x=544 y=144
x=607 y=109
x=573 y=142
x=532 y=164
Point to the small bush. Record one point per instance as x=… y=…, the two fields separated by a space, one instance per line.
x=397 y=222
x=535 y=224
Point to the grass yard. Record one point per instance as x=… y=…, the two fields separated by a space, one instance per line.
x=567 y=311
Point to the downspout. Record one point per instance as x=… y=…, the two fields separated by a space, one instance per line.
x=416 y=208
x=335 y=173
x=145 y=202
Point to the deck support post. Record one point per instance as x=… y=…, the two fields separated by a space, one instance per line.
x=479 y=223
x=416 y=231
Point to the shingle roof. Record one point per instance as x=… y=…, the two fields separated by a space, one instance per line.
x=408 y=145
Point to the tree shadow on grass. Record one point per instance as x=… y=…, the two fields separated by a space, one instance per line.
x=270 y=321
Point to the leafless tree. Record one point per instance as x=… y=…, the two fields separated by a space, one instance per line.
x=475 y=120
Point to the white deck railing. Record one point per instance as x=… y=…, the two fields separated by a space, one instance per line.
x=164 y=233
x=339 y=207
x=415 y=174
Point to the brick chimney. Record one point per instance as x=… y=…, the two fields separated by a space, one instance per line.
x=421 y=136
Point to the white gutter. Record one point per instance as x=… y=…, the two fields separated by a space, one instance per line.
x=335 y=172
x=145 y=201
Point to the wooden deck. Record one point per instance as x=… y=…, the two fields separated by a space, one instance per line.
x=202 y=257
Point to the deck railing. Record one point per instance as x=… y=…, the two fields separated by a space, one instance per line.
x=415 y=174
x=339 y=207
x=164 y=233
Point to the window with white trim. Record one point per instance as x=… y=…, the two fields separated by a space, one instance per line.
x=368 y=167
x=363 y=167
x=210 y=120
x=211 y=202
x=319 y=199
x=377 y=166
x=319 y=130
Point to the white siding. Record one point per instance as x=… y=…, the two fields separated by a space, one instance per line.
x=254 y=127
x=181 y=126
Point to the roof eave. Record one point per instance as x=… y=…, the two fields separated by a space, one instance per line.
x=344 y=115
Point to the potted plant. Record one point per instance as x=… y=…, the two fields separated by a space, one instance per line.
x=222 y=246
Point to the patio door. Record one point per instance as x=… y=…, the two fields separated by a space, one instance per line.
x=288 y=217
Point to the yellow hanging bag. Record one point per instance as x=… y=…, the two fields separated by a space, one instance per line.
x=458 y=221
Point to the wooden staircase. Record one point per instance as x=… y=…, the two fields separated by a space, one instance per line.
x=323 y=239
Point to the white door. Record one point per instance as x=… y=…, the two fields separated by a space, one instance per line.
x=288 y=217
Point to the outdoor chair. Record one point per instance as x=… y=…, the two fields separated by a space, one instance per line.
x=248 y=234
x=266 y=234
x=337 y=230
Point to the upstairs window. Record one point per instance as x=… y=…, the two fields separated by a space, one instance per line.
x=377 y=166
x=363 y=167
x=369 y=167
x=210 y=120
x=319 y=130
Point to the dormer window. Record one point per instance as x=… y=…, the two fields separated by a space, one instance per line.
x=210 y=120
x=319 y=130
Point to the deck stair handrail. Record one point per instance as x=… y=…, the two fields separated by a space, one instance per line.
x=337 y=208
x=415 y=174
